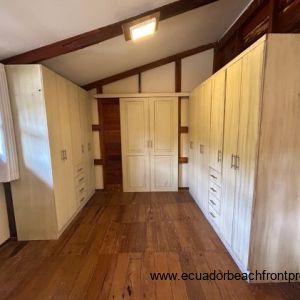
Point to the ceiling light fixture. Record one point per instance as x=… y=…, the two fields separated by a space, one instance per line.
x=141 y=28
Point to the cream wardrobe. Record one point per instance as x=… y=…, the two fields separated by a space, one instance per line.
x=250 y=162
x=53 y=132
x=149 y=132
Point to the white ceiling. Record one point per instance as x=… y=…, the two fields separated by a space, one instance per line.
x=34 y=23
x=29 y=24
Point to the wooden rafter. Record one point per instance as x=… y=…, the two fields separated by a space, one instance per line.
x=101 y=34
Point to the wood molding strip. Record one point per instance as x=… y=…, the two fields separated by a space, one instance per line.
x=98 y=162
x=96 y=127
x=183 y=129
x=100 y=34
x=148 y=66
x=183 y=160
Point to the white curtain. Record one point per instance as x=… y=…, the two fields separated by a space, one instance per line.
x=8 y=153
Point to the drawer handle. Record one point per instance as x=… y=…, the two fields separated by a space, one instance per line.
x=81 y=190
x=81 y=179
x=82 y=199
x=79 y=170
x=212 y=215
x=213 y=190
x=213 y=176
x=212 y=202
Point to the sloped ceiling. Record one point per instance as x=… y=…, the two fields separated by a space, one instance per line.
x=26 y=25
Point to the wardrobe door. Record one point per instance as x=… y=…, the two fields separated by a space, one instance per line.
x=249 y=121
x=233 y=87
x=135 y=144
x=74 y=109
x=66 y=204
x=204 y=131
x=164 y=143
x=217 y=121
x=192 y=138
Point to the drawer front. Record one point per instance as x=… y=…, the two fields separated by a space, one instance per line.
x=215 y=176
x=79 y=169
x=79 y=180
x=215 y=203
x=81 y=193
x=215 y=190
x=213 y=215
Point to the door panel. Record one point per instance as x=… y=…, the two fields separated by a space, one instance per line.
x=203 y=152
x=163 y=168
x=135 y=141
x=164 y=143
x=230 y=148
x=247 y=150
x=217 y=121
x=193 y=142
x=67 y=200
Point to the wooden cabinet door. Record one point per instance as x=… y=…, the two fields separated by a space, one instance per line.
x=135 y=144
x=67 y=203
x=74 y=109
x=194 y=147
x=217 y=121
x=249 y=121
x=163 y=114
x=231 y=128
x=204 y=132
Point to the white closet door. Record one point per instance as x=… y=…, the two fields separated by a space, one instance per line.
x=164 y=143
x=135 y=142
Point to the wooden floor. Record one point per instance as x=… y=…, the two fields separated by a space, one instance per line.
x=110 y=248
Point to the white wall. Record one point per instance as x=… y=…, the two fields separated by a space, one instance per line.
x=195 y=69
x=4 y=229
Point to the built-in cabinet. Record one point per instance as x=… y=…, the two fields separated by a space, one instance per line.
x=250 y=134
x=52 y=119
x=149 y=133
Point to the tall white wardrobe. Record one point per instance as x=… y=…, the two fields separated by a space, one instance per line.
x=245 y=150
x=149 y=133
x=52 y=119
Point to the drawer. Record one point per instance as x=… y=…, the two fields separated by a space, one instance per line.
x=214 y=190
x=79 y=169
x=215 y=176
x=214 y=216
x=81 y=194
x=79 y=180
x=215 y=203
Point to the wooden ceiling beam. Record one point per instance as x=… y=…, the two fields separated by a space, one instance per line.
x=149 y=66
x=101 y=34
x=250 y=10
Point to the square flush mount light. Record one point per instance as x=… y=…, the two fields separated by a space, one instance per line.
x=141 y=28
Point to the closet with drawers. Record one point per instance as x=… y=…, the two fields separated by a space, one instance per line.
x=52 y=118
x=149 y=134
x=251 y=168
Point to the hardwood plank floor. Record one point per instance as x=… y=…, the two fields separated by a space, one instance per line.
x=115 y=242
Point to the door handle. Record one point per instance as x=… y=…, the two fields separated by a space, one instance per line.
x=201 y=148
x=82 y=148
x=66 y=157
x=191 y=145
x=219 y=155
x=233 y=158
x=62 y=154
x=237 y=163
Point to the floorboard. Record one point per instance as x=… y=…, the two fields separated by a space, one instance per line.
x=111 y=247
